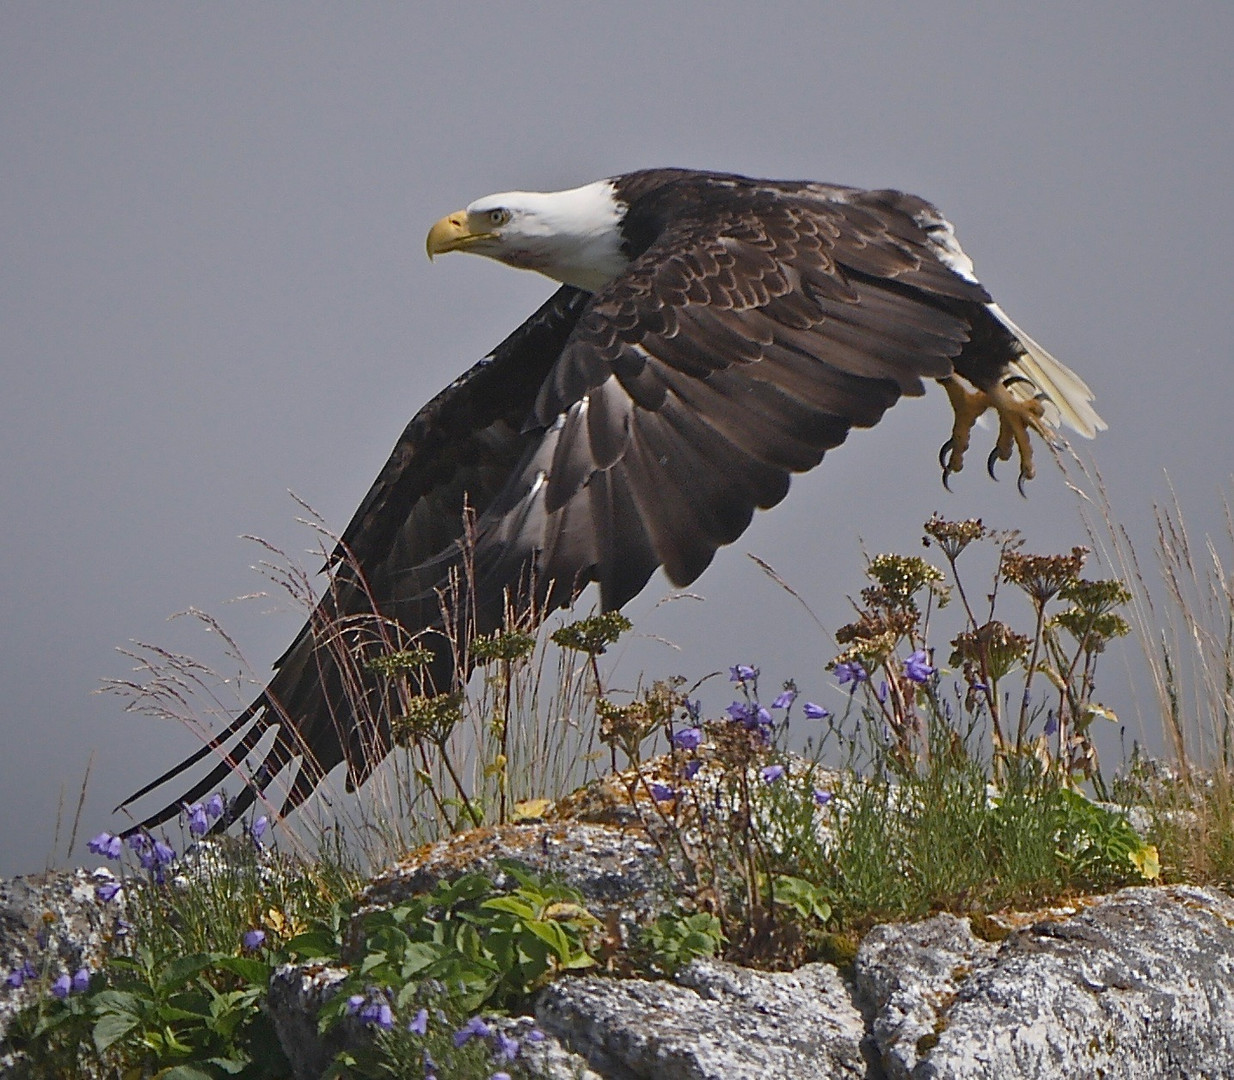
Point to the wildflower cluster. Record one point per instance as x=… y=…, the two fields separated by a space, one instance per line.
x=394 y=664
x=372 y=1008
x=952 y=537
x=154 y=856
x=428 y=718
x=1042 y=577
x=435 y=1034
x=891 y=622
x=728 y=826
x=894 y=618
x=594 y=634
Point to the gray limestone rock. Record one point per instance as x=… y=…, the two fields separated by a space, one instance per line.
x=295 y=996
x=909 y=974
x=716 y=1022
x=55 y=922
x=1138 y=986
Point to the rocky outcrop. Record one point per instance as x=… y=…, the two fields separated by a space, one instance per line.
x=715 y=1020
x=1138 y=984
x=52 y=924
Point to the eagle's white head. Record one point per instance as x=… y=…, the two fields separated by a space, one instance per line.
x=570 y=236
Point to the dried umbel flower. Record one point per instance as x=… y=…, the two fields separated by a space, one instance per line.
x=506 y=645
x=876 y=626
x=994 y=648
x=629 y=725
x=396 y=663
x=429 y=719
x=594 y=634
x=899 y=578
x=953 y=537
x=1043 y=577
x=868 y=652
x=736 y=745
x=622 y=725
x=1091 y=631
x=1096 y=597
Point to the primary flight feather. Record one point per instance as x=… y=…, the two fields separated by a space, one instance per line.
x=712 y=335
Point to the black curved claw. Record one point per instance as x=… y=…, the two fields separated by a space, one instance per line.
x=946 y=478
x=1011 y=380
x=1020 y=484
x=989 y=463
x=944 y=454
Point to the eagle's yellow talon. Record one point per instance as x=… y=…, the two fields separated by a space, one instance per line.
x=967 y=406
x=1016 y=418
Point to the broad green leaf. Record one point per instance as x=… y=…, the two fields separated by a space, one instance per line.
x=183 y=1072
x=182 y=970
x=512 y=905
x=111 y=1028
x=249 y=968
x=313 y=944
x=417 y=957
x=120 y=1001
x=552 y=935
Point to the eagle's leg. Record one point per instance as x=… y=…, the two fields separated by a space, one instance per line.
x=967 y=406
x=1016 y=418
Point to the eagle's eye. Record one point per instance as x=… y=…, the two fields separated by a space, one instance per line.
x=498 y=218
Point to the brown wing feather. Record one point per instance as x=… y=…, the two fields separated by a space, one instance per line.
x=741 y=347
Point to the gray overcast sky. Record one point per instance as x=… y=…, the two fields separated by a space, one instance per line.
x=213 y=290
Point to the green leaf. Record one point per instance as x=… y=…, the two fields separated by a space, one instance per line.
x=183 y=969
x=111 y=1028
x=512 y=905
x=120 y=1001
x=552 y=935
x=230 y=1065
x=249 y=968
x=314 y=944
x=373 y=960
x=417 y=957
x=183 y=1072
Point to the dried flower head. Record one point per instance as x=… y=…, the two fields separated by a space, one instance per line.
x=867 y=652
x=953 y=537
x=594 y=634
x=876 y=626
x=507 y=645
x=1042 y=577
x=628 y=725
x=1096 y=597
x=899 y=578
x=994 y=648
x=429 y=719
x=398 y=663
x=1091 y=631
x=735 y=746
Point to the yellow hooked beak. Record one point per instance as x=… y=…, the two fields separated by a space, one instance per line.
x=451 y=233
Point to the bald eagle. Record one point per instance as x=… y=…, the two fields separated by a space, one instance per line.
x=712 y=335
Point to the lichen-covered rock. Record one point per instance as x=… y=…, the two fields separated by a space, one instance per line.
x=716 y=1022
x=55 y=923
x=618 y=871
x=908 y=975
x=295 y=996
x=1138 y=986
x=546 y=1058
